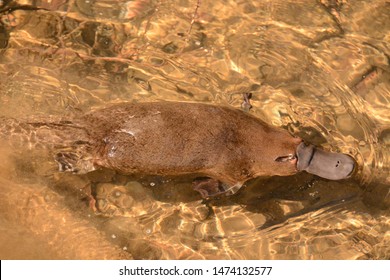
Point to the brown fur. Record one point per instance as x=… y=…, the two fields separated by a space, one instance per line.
x=165 y=138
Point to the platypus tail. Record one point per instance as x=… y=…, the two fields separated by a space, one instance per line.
x=41 y=134
x=69 y=141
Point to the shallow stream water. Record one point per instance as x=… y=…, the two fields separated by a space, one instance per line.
x=319 y=69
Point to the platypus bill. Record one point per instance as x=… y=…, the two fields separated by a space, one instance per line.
x=224 y=144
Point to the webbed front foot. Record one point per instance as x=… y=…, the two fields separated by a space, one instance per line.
x=209 y=187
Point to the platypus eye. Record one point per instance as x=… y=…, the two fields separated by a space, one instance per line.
x=286 y=158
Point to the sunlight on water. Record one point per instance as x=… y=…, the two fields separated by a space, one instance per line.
x=319 y=69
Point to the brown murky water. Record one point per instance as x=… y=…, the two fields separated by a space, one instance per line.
x=317 y=68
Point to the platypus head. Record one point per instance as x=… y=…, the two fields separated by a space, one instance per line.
x=332 y=166
x=289 y=155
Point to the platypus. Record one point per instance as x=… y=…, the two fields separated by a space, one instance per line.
x=223 y=144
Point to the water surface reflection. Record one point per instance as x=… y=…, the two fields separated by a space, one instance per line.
x=319 y=69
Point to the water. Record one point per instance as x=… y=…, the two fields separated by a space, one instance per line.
x=319 y=69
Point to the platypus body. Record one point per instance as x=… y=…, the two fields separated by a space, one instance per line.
x=176 y=138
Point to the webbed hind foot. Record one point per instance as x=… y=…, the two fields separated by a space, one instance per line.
x=66 y=162
x=73 y=162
